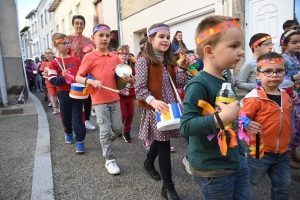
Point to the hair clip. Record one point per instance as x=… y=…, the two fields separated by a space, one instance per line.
x=142 y=45
x=258 y=84
x=259 y=41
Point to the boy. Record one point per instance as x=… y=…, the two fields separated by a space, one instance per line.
x=260 y=44
x=71 y=109
x=219 y=41
x=268 y=108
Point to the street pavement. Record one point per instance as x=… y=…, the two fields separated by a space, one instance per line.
x=84 y=176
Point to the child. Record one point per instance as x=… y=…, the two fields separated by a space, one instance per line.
x=290 y=43
x=29 y=73
x=52 y=92
x=154 y=91
x=70 y=109
x=127 y=101
x=260 y=44
x=101 y=64
x=268 y=108
x=219 y=42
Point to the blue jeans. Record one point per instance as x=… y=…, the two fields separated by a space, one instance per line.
x=235 y=185
x=277 y=166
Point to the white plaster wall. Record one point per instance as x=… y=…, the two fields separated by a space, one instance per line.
x=109 y=13
x=164 y=11
x=34 y=34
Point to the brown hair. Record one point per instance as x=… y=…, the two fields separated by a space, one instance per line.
x=169 y=58
x=207 y=23
x=56 y=36
x=142 y=41
x=268 y=56
x=122 y=47
x=287 y=39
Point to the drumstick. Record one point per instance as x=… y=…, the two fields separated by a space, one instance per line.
x=117 y=91
x=62 y=59
x=181 y=47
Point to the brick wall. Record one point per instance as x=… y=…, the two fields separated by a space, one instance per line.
x=130 y=7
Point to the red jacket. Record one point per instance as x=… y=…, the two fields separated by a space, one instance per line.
x=275 y=120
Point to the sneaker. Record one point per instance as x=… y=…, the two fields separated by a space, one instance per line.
x=79 y=147
x=112 y=167
x=185 y=162
x=89 y=125
x=50 y=104
x=93 y=112
x=55 y=111
x=120 y=135
x=147 y=144
x=127 y=137
x=38 y=90
x=172 y=149
x=42 y=90
x=46 y=99
x=69 y=138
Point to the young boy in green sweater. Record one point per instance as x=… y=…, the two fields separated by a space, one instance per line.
x=224 y=175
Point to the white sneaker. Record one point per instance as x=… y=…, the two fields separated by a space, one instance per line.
x=185 y=162
x=93 y=112
x=38 y=90
x=55 y=111
x=50 y=104
x=112 y=167
x=89 y=125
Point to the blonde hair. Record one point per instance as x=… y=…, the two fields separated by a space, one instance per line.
x=207 y=23
x=56 y=36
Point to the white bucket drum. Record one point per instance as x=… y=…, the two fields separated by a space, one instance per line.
x=76 y=91
x=170 y=120
x=120 y=70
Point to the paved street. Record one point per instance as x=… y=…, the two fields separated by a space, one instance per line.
x=84 y=176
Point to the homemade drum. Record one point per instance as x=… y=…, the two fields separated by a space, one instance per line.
x=120 y=70
x=170 y=120
x=76 y=91
x=288 y=86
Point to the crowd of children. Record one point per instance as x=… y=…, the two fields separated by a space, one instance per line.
x=212 y=119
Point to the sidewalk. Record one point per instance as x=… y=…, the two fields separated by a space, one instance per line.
x=84 y=176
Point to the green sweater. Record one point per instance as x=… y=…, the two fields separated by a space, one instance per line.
x=202 y=153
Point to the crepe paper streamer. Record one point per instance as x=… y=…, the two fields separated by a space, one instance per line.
x=160 y=28
x=69 y=78
x=88 y=88
x=221 y=136
x=291 y=74
x=259 y=41
x=244 y=122
x=193 y=68
x=258 y=84
x=233 y=23
x=270 y=61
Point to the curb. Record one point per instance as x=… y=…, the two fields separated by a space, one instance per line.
x=42 y=181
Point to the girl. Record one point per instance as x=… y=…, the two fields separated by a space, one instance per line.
x=127 y=101
x=290 y=43
x=154 y=92
x=101 y=64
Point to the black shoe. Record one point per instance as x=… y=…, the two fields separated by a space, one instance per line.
x=127 y=137
x=150 y=168
x=120 y=135
x=46 y=99
x=168 y=191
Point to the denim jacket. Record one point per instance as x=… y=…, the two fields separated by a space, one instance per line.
x=290 y=64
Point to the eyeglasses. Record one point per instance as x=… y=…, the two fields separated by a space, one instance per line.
x=269 y=44
x=123 y=54
x=294 y=28
x=269 y=72
x=65 y=43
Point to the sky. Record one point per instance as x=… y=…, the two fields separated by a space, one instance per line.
x=297 y=9
x=24 y=8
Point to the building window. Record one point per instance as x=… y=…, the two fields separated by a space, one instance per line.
x=78 y=9
x=44 y=43
x=57 y=28
x=42 y=19
x=48 y=40
x=70 y=20
x=33 y=49
x=63 y=26
x=45 y=16
x=28 y=52
x=37 y=47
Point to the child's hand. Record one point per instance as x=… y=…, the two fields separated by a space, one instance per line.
x=184 y=62
x=127 y=78
x=178 y=51
x=64 y=73
x=253 y=127
x=229 y=112
x=45 y=73
x=295 y=97
x=96 y=83
x=159 y=106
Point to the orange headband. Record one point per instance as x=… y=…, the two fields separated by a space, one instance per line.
x=270 y=61
x=233 y=23
x=122 y=51
x=259 y=41
x=61 y=39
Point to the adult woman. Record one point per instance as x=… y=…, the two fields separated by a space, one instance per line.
x=175 y=44
x=78 y=42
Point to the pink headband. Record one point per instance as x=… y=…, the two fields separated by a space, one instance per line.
x=160 y=28
x=101 y=27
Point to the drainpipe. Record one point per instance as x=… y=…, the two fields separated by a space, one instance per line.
x=119 y=23
x=2 y=82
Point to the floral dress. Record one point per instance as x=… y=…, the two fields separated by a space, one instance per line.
x=77 y=44
x=148 y=129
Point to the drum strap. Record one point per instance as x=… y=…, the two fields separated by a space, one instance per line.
x=175 y=90
x=59 y=64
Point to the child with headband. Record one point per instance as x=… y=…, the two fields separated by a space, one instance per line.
x=260 y=44
x=290 y=44
x=268 y=108
x=216 y=157
x=154 y=91
x=100 y=64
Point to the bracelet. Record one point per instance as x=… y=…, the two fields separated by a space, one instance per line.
x=219 y=121
x=292 y=78
x=85 y=81
x=183 y=68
